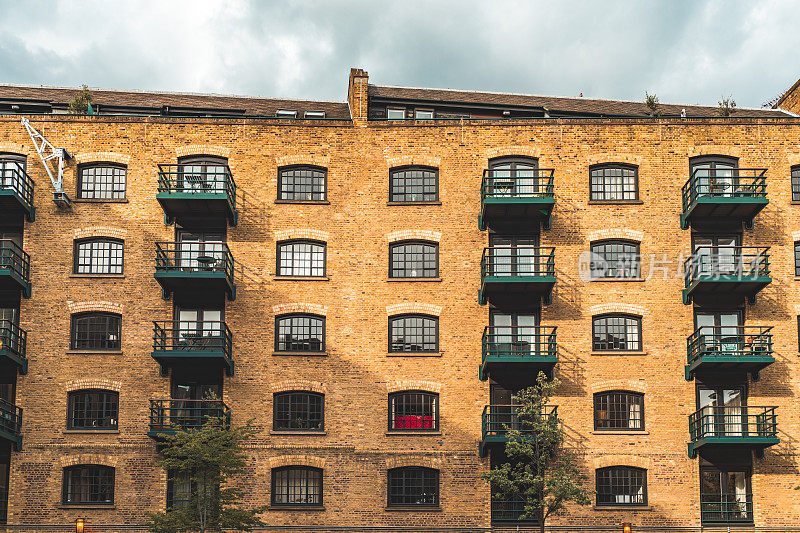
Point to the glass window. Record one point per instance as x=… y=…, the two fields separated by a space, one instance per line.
x=103 y=181
x=88 y=485
x=394 y=113
x=621 y=485
x=296 y=485
x=93 y=409
x=98 y=256
x=414 y=410
x=179 y=490
x=12 y=170
x=414 y=333
x=204 y=174
x=301 y=258
x=797 y=258
x=314 y=114
x=286 y=113
x=616 y=333
x=796 y=183
x=299 y=333
x=302 y=183
x=619 y=410
x=615 y=259
x=613 y=182
x=414 y=259
x=423 y=114
x=725 y=495
x=413 y=485
x=414 y=184
x=96 y=331
x=298 y=410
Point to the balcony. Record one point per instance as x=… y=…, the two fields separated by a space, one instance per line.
x=13 y=341
x=514 y=201
x=16 y=195
x=11 y=424
x=498 y=420
x=15 y=268
x=510 y=353
x=744 y=348
x=504 y=511
x=169 y=416
x=735 y=194
x=199 y=195
x=195 y=267
x=517 y=273
x=730 y=427
x=726 y=508
x=726 y=271
x=195 y=343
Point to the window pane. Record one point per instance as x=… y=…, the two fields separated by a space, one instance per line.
x=414 y=185
x=296 y=485
x=413 y=485
x=796 y=184
x=301 y=258
x=621 y=485
x=615 y=259
x=616 y=332
x=298 y=411
x=619 y=410
x=302 y=183
x=88 y=484
x=414 y=410
x=96 y=331
x=93 y=409
x=613 y=182
x=300 y=333
x=98 y=256
x=414 y=333
x=414 y=260
x=102 y=182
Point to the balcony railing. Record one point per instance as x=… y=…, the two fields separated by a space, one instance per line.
x=187 y=183
x=744 y=425
x=13 y=343
x=517 y=199
x=195 y=266
x=11 y=423
x=15 y=267
x=509 y=511
x=726 y=508
x=167 y=416
x=739 y=193
x=529 y=345
x=498 y=420
x=743 y=270
x=524 y=184
x=187 y=339
x=15 y=183
x=746 y=347
x=517 y=270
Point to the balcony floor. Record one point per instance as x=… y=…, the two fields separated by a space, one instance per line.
x=195 y=282
x=729 y=442
x=511 y=211
x=10 y=280
x=182 y=205
x=13 y=206
x=166 y=358
x=720 y=207
x=517 y=286
x=725 y=284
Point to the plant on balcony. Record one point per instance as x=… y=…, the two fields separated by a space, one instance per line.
x=726 y=106
x=651 y=101
x=206 y=457
x=540 y=473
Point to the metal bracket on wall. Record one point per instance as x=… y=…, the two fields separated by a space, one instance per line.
x=47 y=152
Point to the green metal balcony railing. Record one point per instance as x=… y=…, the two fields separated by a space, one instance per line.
x=191 y=190
x=15 y=267
x=509 y=511
x=726 y=269
x=745 y=347
x=738 y=193
x=13 y=344
x=726 y=508
x=528 y=346
x=168 y=416
x=521 y=270
x=741 y=425
x=517 y=197
x=209 y=340
x=192 y=266
x=11 y=423
x=17 y=187
x=498 y=419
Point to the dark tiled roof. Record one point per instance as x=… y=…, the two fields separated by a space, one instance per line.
x=156 y=100
x=554 y=104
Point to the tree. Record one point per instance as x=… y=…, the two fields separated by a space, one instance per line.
x=540 y=472
x=82 y=103
x=651 y=101
x=203 y=459
x=727 y=106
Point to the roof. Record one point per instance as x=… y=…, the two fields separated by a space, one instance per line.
x=154 y=101
x=555 y=104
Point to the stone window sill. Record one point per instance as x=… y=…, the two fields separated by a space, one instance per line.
x=301 y=278
x=118 y=276
x=300 y=433
x=414 y=508
x=410 y=433
x=91 y=431
x=620 y=432
x=619 y=353
x=310 y=354
x=415 y=354
x=414 y=279
x=622 y=507
x=308 y=202
x=94 y=352
x=615 y=202
x=595 y=280
x=85 y=506
x=100 y=200
x=295 y=508
x=414 y=203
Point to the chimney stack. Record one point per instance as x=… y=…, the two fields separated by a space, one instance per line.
x=357 y=93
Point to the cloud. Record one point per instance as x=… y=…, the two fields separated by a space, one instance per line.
x=688 y=52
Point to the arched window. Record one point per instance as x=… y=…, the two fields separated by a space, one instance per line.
x=621 y=485
x=12 y=173
x=615 y=259
x=203 y=174
x=414 y=259
x=88 y=485
x=413 y=486
x=98 y=256
x=298 y=411
x=611 y=182
x=619 y=410
x=302 y=183
x=102 y=181
x=414 y=410
x=301 y=259
x=299 y=333
x=414 y=184
x=297 y=485
x=96 y=331
x=616 y=333
x=93 y=409
x=715 y=175
x=413 y=333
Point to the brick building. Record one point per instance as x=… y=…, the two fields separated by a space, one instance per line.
x=370 y=280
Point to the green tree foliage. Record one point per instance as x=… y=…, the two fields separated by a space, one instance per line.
x=726 y=106
x=82 y=103
x=540 y=472
x=651 y=101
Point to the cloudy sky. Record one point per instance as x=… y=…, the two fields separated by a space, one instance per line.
x=685 y=51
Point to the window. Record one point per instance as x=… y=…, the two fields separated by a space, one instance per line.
x=92 y=409
x=414 y=259
x=423 y=114
x=286 y=113
x=296 y=485
x=619 y=410
x=413 y=333
x=613 y=182
x=299 y=333
x=797 y=258
x=414 y=410
x=96 y=331
x=726 y=495
x=414 y=184
x=88 y=485
x=615 y=259
x=299 y=411
x=98 y=256
x=621 y=485
x=179 y=490
x=616 y=333
x=102 y=181
x=204 y=174
x=796 y=183
x=394 y=113
x=302 y=183
x=301 y=259
x=12 y=168
x=314 y=114
x=413 y=485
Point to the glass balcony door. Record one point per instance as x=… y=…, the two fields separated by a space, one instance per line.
x=515 y=177
x=199 y=328
x=716 y=255
x=9 y=321
x=202 y=175
x=200 y=250
x=720 y=331
x=725 y=495
x=723 y=412
x=715 y=177
x=11 y=169
x=196 y=402
x=515 y=334
x=514 y=256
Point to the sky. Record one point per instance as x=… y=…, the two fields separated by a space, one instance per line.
x=684 y=51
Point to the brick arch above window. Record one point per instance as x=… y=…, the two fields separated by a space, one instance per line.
x=604 y=461
x=413 y=460
x=616 y=233
x=609 y=158
x=303 y=159
x=102 y=157
x=302 y=233
x=202 y=149
x=413 y=384
x=285 y=309
x=628 y=309
x=414 y=234
x=94 y=305
x=298 y=384
x=93 y=383
x=13 y=148
x=512 y=150
x=632 y=385
x=413 y=307
x=414 y=159
x=715 y=149
x=296 y=460
x=101 y=231
x=88 y=459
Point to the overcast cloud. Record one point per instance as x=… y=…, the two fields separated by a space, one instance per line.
x=684 y=51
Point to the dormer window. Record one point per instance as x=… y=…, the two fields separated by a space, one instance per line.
x=286 y=113
x=423 y=114
x=315 y=114
x=395 y=113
